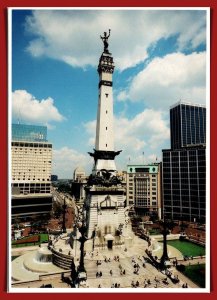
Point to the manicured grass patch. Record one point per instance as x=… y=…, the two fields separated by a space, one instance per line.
x=197 y=274
x=43 y=237
x=154 y=231
x=31 y=240
x=187 y=248
x=13 y=257
x=24 y=245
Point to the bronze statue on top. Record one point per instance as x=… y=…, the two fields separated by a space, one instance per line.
x=105 y=41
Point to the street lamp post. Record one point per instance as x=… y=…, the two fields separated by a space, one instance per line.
x=83 y=238
x=93 y=236
x=80 y=224
x=167 y=225
x=64 y=216
x=165 y=256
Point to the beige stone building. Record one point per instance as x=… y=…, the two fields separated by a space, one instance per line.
x=144 y=189
x=31 y=158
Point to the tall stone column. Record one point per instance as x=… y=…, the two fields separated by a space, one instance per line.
x=105 y=194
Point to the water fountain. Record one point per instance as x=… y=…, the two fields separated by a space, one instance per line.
x=44 y=255
x=32 y=264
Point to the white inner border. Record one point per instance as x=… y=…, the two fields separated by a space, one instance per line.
x=121 y=290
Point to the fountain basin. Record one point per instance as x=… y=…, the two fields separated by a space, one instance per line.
x=28 y=267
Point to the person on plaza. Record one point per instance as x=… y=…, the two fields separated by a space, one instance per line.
x=111 y=272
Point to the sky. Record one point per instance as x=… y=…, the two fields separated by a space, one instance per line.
x=160 y=59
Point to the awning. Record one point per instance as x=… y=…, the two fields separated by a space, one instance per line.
x=109 y=237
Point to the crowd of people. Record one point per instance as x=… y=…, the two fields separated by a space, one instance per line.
x=156 y=283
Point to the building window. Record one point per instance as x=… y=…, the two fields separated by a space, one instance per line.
x=106 y=95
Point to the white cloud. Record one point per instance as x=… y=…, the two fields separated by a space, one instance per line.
x=167 y=80
x=29 y=109
x=73 y=36
x=146 y=129
x=65 y=160
x=146 y=132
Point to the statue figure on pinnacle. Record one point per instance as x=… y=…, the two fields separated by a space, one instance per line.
x=105 y=41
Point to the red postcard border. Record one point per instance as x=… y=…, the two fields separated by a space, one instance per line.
x=4 y=4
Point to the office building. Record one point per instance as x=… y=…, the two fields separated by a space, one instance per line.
x=187 y=125
x=184 y=165
x=31 y=157
x=144 y=189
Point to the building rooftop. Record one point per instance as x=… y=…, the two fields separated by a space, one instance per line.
x=33 y=133
x=187 y=103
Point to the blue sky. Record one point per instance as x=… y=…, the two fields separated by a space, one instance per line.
x=160 y=58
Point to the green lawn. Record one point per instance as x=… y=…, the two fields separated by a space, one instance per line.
x=154 y=231
x=187 y=248
x=13 y=257
x=196 y=273
x=43 y=239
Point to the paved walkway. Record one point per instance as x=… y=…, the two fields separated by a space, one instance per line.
x=123 y=271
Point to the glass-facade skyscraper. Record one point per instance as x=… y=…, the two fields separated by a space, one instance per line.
x=187 y=125
x=184 y=165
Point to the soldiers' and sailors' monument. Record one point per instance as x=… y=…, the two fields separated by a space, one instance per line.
x=105 y=198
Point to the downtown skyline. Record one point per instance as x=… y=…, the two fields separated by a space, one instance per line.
x=159 y=56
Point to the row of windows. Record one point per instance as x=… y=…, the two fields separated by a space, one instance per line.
x=24 y=184
x=184 y=153
x=38 y=179
x=30 y=151
x=34 y=145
